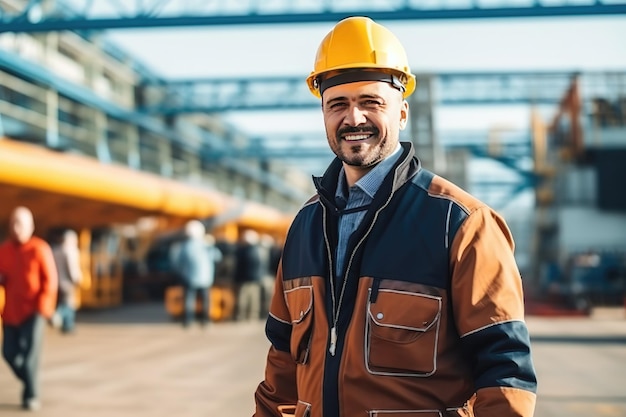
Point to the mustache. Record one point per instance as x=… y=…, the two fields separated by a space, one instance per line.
x=373 y=130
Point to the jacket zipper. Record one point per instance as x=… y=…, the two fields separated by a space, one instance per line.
x=331 y=370
x=336 y=306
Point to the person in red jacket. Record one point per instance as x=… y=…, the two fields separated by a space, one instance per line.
x=28 y=274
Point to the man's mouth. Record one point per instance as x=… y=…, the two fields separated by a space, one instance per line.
x=353 y=137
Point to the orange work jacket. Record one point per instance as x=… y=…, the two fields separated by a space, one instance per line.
x=29 y=278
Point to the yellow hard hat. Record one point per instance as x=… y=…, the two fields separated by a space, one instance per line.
x=357 y=43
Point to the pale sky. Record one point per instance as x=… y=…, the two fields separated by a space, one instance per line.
x=480 y=44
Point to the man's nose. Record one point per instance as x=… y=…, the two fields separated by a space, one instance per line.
x=355 y=116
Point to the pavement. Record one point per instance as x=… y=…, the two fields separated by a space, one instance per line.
x=134 y=361
x=603 y=323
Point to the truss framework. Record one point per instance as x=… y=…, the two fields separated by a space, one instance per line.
x=58 y=15
x=213 y=95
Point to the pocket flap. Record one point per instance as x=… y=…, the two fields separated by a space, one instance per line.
x=405 y=310
x=299 y=301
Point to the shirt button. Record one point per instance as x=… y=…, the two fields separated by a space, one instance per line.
x=379 y=316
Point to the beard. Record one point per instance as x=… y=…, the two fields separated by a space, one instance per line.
x=360 y=154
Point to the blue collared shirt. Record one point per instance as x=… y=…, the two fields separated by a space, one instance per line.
x=359 y=195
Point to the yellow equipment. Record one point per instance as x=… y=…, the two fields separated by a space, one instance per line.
x=221 y=304
x=101 y=200
x=359 y=42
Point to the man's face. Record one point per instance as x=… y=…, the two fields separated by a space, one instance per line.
x=21 y=225
x=363 y=121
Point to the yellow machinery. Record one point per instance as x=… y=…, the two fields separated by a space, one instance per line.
x=222 y=302
x=101 y=201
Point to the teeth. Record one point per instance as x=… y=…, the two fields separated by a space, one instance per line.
x=355 y=137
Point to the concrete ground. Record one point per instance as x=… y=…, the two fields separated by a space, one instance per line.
x=134 y=361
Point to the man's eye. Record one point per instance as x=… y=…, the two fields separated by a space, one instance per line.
x=336 y=106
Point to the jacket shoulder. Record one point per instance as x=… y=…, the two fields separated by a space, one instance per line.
x=313 y=200
x=40 y=245
x=439 y=187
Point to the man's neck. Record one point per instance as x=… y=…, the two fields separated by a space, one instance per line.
x=353 y=174
x=19 y=243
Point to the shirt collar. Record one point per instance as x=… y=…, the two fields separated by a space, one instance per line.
x=371 y=181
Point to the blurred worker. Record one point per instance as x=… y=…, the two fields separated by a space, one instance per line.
x=67 y=259
x=194 y=260
x=268 y=272
x=398 y=293
x=248 y=275
x=29 y=277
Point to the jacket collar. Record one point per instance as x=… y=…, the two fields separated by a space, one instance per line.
x=403 y=170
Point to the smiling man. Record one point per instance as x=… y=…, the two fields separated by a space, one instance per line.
x=398 y=294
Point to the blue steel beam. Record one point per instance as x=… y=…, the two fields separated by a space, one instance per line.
x=511 y=149
x=89 y=15
x=212 y=95
x=499 y=194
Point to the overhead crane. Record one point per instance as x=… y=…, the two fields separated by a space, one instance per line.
x=83 y=15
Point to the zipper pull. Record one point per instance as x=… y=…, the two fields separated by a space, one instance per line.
x=333 y=341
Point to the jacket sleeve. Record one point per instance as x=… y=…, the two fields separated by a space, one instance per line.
x=49 y=282
x=488 y=306
x=279 y=386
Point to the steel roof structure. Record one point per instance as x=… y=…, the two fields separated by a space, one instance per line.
x=88 y=17
x=39 y=16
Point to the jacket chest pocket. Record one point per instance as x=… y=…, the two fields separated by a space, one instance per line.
x=300 y=304
x=402 y=332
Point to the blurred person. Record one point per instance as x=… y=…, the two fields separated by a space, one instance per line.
x=398 y=293
x=275 y=255
x=28 y=274
x=224 y=274
x=194 y=259
x=67 y=260
x=268 y=272
x=248 y=275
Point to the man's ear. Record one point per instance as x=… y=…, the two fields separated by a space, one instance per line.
x=404 y=115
